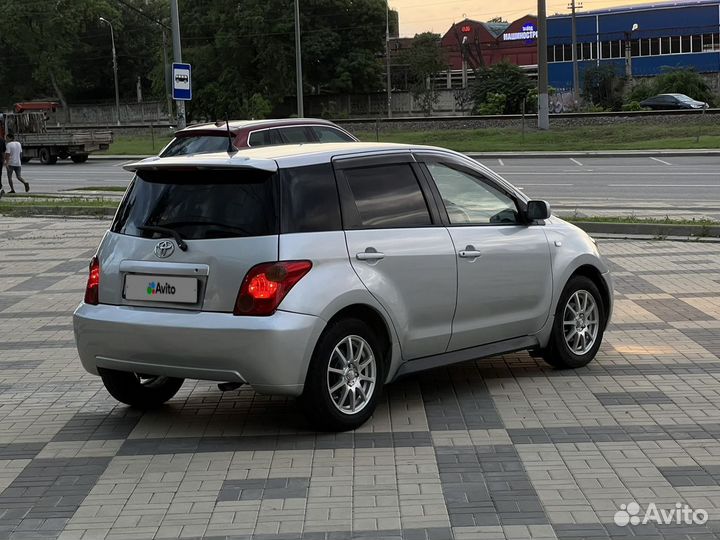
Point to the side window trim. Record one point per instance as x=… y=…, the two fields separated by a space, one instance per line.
x=448 y=161
x=350 y=214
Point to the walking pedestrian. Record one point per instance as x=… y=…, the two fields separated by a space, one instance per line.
x=2 y=153
x=13 y=160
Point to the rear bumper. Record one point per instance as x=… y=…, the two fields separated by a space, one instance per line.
x=269 y=353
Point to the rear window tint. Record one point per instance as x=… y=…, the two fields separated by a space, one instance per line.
x=310 y=200
x=331 y=135
x=265 y=137
x=388 y=196
x=296 y=135
x=201 y=144
x=200 y=204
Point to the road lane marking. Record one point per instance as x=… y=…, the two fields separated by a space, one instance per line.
x=544 y=184
x=660 y=161
x=576 y=162
x=500 y=161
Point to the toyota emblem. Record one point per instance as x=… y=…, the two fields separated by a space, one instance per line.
x=164 y=249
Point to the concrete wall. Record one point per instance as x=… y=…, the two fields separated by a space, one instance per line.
x=105 y=114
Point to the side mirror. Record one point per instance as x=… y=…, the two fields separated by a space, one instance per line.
x=537 y=210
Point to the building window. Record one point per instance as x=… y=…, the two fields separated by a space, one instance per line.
x=567 y=52
x=675 y=45
x=665 y=45
x=615 y=51
x=644 y=47
x=716 y=42
x=655 y=46
x=587 y=51
x=551 y=53
x=686 y=45
x=697 y=44
x=707 y=42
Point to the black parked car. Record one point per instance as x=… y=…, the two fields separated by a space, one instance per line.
x=672 y=101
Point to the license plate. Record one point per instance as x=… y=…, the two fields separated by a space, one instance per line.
x=183 y=290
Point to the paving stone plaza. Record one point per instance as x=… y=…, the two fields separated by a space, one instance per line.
x=502 y=448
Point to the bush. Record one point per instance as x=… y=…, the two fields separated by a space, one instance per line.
x=632 y=106
x=494 y=104
x=683 y=81
x=603 y=87
x=503 y=78
x=641 y=90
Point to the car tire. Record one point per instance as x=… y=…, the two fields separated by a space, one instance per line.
x=79 y=158
x=46 y=158
x=143 y=392
x=575 y=340
x=333 y=388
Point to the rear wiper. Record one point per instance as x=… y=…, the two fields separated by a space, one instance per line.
x=164 y=230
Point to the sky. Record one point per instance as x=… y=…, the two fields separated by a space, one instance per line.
x=437 y=15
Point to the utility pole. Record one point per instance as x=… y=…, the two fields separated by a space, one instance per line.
x=298 y=62
x=168 y=92
x=628 y=52
x=543 y=104
x=177 y=56
x=115 y=69
x=576 y=76
x=388 y=83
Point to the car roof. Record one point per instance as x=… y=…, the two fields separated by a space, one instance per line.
x=237 y=125
x=292 y=155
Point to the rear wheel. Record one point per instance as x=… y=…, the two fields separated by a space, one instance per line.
x=46 y=158
x=141 y=391
x=345 y=377
x=579 y=325
x=79 y=158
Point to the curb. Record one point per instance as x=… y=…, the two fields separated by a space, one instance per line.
x=653 y=230
x=597 y=153
x=528 y=154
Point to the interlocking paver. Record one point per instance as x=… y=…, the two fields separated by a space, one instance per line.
x=500 y=448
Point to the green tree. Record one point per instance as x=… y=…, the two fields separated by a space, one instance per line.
x=502 y=78
x=48 y=37
x=603 y=87
x=423 y=60
x=683 y=81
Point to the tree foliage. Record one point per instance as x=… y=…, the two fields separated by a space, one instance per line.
x=602 y=87
x=673 y=81
x=502 y=78
x=242 y=51
x=423 y=60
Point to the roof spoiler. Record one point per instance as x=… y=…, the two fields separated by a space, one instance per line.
x=186 y=163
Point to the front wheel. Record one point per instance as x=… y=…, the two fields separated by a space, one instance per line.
x=141 y=391
x=579 y=325
x=345 y=377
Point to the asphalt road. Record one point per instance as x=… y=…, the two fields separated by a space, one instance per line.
x=657 y=186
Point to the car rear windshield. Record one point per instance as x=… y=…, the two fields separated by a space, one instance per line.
x=200 y=204
x=196 y=144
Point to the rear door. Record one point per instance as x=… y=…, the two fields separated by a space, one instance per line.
x=228 y=219
x=504 y=271
x=399 y=248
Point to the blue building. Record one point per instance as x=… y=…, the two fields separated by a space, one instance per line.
x=683 y=33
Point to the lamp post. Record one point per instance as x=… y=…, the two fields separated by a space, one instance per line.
x=387 y=59
x=543 y=118
x=628 y=51
x=115 y=69
x=298 y=62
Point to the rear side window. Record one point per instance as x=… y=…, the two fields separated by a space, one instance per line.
x=331 y=135
x=266 y=137
x=310 y=200
x=200 y=204
x=201 y=144
x=388 y=196
x=296 y=135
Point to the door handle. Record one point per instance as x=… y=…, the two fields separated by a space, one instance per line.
x=469 y=253
x=370 y=256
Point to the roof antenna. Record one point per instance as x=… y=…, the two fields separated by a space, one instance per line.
x=231 y=147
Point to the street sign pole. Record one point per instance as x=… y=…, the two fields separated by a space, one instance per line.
x=177 y=57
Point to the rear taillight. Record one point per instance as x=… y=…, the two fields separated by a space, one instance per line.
x=266 y=284
x=93 y=283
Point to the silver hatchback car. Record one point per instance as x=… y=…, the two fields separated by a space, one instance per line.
x=325 y=271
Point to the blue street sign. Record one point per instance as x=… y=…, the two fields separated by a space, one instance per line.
x=182 y=82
